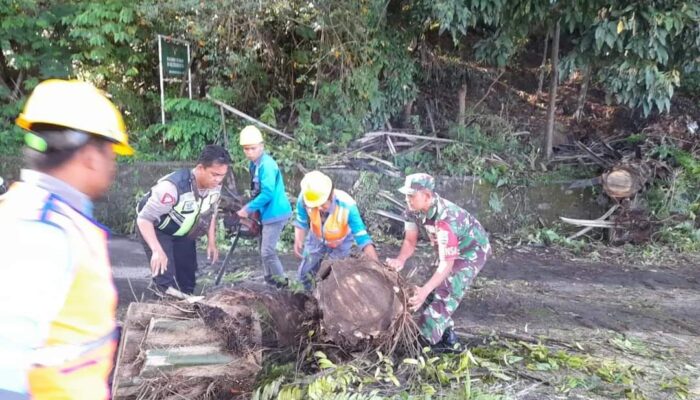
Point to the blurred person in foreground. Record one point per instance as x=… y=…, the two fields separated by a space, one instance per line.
x=57 y=310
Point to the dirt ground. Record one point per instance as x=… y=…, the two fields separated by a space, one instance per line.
x=641 y=317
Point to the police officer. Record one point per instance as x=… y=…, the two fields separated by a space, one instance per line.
x=170 y=216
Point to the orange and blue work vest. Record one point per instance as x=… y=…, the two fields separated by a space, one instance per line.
x=58 y=337
x=342 y=219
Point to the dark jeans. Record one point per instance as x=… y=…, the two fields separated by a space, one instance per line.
x=182 y=262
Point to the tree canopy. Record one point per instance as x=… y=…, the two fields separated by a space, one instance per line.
x=330 y=70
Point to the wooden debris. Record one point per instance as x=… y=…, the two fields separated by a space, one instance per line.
x=406 y=135
x=589 y=228
x=387 y=196
x=248 y=117
x=390 y=215
x=594 y=223
x=180 y=350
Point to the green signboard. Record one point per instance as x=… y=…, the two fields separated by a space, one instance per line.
x=174 y=59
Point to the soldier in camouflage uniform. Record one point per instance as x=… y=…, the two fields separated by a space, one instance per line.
x=462 y=246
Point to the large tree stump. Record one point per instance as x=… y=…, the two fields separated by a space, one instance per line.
x=363 y=305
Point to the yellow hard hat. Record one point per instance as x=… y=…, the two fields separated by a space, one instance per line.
x=250 y=135
x=76 y=105
x=316 y=188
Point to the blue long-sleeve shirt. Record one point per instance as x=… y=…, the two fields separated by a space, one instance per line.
x=271 y=199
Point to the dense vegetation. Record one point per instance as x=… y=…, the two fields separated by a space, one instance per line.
x=331 y=70
x=327 y=72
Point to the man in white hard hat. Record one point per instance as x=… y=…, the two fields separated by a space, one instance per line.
x=57 y=311
x=333 y=221
x=269 y=199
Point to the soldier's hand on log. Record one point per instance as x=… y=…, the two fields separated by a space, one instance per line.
x=418 y=298
x=395 y=263
x=159 y=263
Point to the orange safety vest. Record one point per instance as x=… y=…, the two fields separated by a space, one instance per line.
x=75 y=360
x=336 y=227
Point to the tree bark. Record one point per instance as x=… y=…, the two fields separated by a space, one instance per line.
x=406 y=117
x=543 y=65
x=462 y=97
x=625 y=179
x=552 y=94
x=583 y=92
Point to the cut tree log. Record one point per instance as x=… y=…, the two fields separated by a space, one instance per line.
x=625 y=179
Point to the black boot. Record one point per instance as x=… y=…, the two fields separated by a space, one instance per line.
x=448 y=344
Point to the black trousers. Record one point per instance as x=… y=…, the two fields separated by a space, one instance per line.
x=182 y=262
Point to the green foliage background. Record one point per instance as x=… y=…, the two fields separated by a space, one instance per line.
x=328 y=71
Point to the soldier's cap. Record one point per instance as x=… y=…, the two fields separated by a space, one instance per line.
x=417 y=182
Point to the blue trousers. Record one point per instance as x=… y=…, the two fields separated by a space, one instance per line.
x=315 y=251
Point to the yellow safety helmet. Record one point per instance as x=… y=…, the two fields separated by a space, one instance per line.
x=250 y=135
x=316 y=188
x=76 y=105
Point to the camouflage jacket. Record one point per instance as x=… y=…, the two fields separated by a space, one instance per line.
x=452 y=230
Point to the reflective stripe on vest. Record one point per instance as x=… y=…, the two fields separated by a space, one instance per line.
x=86 y=319
x=189 y=207
x=335 y=229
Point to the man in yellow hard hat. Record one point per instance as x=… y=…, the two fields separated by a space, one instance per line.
x=178 y=209
x=269 y=199
x=57 y=312
x=334 y=222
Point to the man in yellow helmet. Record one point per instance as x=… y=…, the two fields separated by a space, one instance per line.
x=57 y=313
x=334 y=222
x=269 y=199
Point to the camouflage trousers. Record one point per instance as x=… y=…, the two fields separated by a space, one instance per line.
x=436 y=314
